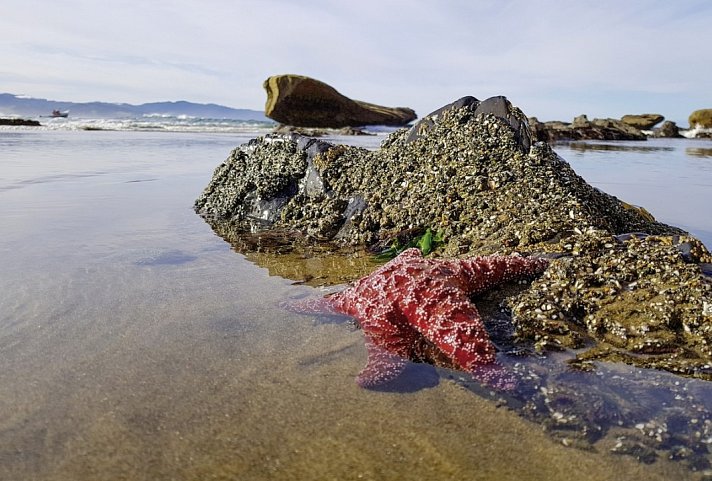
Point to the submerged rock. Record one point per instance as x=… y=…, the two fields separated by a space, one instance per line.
x=626 y=411
x=305 y=102
x=470 y=173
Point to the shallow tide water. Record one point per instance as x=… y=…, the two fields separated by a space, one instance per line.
x=135 y=344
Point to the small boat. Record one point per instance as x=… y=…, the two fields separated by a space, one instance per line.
x=57 y=113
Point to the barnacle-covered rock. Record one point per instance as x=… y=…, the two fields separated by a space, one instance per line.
x=621 y=284
x=640 y=299
x=467 y=170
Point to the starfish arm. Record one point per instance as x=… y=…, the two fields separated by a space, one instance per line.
x=455 y=326
x=449 y=320
x=484 y=272
x=386 y=326
x=382 y=365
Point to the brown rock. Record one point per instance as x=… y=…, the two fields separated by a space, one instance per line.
x=583 y=129
x=306 y=102
x=581 y=122
x=642 y=121
x=617 y=130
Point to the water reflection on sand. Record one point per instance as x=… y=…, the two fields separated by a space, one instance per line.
x=698 y=151
x=645 y=414
x=137 y=345
x=640 y=146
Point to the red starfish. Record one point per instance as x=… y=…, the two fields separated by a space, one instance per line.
x=420 y=309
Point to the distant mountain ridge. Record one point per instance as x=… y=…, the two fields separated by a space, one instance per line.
x=20 y=106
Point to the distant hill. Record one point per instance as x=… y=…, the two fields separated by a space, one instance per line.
x=20 y=106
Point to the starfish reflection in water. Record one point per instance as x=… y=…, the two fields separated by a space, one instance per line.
x=419 y=309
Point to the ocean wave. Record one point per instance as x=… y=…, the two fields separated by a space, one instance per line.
x=167 y=116
x=693 y=132
x=153 y=122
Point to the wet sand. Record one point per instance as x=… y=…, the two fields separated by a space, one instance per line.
x=136 y=345
x=168 y=372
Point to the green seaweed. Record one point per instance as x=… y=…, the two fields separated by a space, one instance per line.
x=426 y=242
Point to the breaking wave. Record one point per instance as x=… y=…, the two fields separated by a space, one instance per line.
x=154 y=122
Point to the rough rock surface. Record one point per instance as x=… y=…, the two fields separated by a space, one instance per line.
x=474 y=177
x=471 y=175
x=644 y=298
x=642 y=121
x=583 y=129
x=668 y=129
x=498 y=106
x=305 y=102
x=701 y=118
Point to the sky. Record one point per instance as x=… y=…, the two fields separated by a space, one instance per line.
x=553 y=59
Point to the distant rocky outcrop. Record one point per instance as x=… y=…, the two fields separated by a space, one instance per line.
x=701 y=119
x=642 y=121
x=305 y=102
x=668 y=129
x=583 y=129
x=620 y=287
x=20 y=122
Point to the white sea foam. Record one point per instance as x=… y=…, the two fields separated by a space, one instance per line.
x=693 y=132
x=156 y=122
x=152 y=122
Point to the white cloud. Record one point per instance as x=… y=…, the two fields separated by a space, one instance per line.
x=554 y=58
